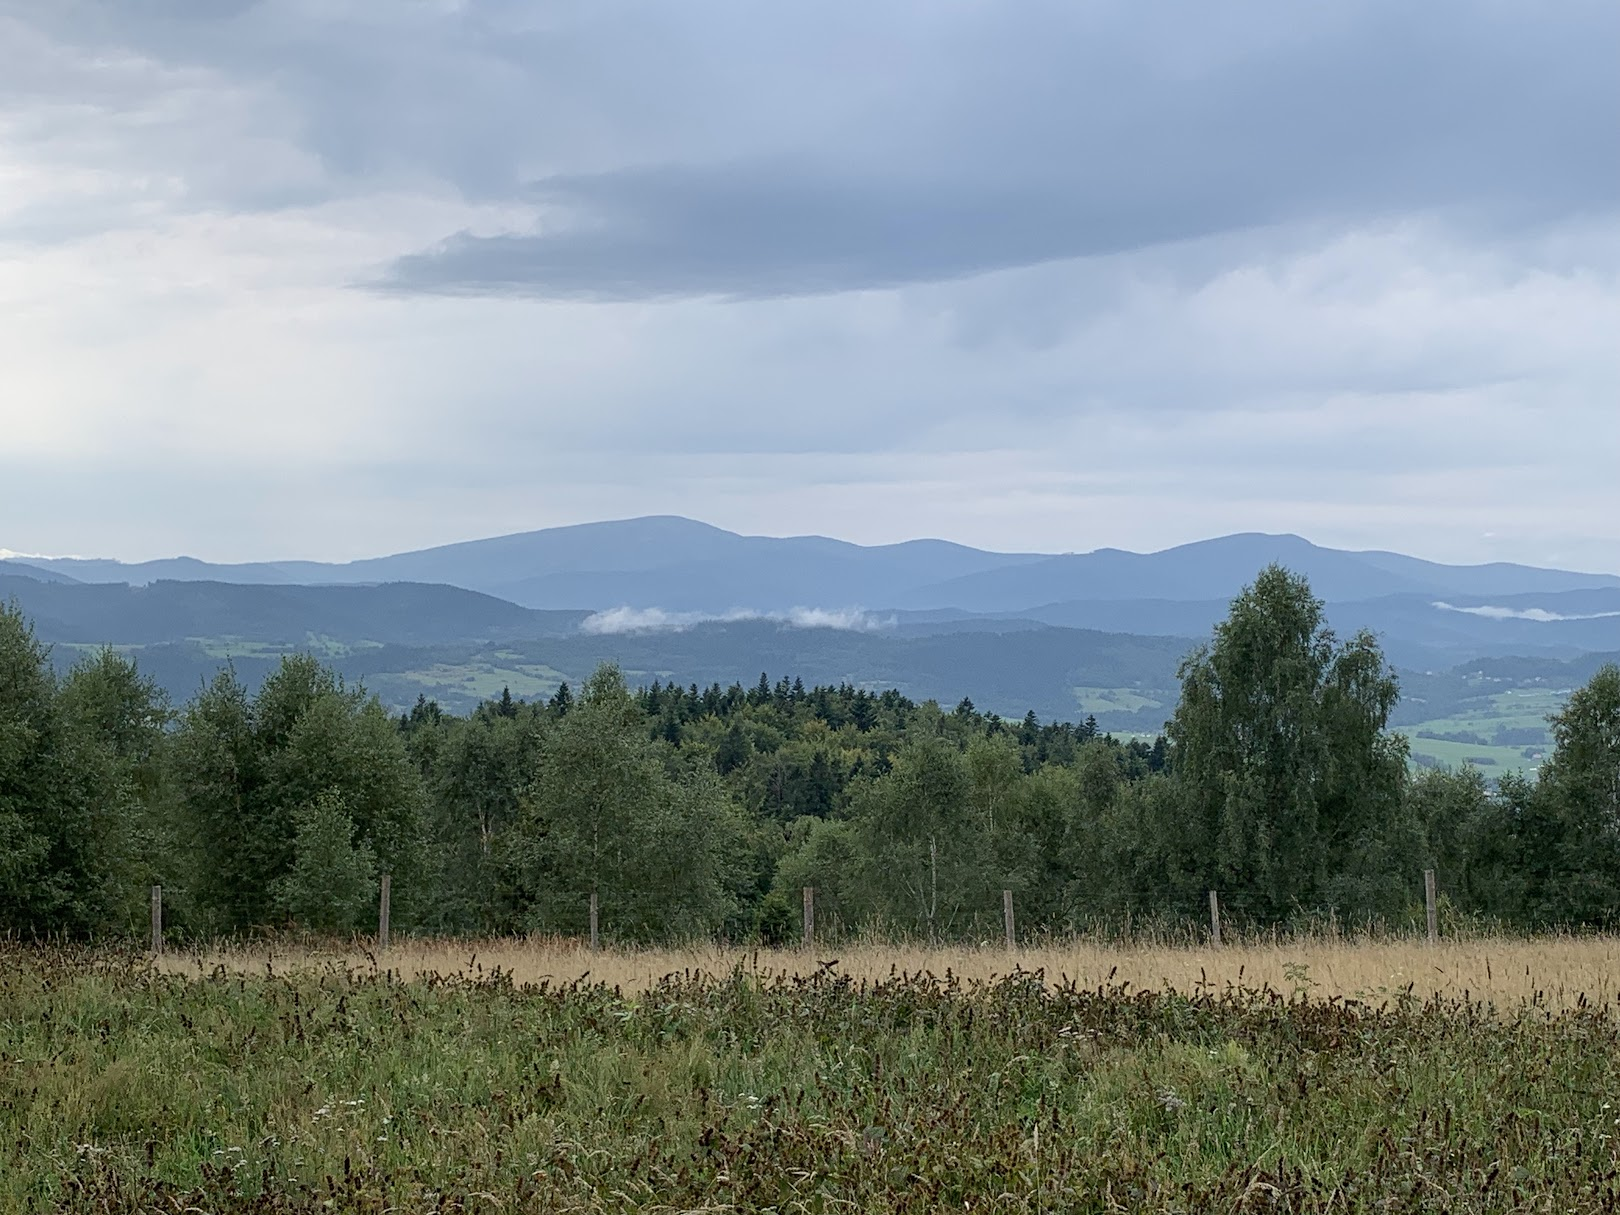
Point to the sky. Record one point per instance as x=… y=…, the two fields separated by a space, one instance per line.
x=335 y=278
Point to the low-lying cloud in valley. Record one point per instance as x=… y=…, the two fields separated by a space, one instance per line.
x=657 y=620
x=1542 y=615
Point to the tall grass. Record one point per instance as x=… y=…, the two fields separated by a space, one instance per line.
x=298 y=1083
x=1502 y=969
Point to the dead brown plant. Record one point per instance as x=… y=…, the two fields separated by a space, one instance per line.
x=1558 y=970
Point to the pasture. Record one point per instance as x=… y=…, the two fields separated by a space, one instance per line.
x=1499 y=732
x=501 y=1076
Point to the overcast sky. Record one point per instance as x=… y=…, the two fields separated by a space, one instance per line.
x=331 y=278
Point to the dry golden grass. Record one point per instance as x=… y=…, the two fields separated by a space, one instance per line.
x=1504 y=970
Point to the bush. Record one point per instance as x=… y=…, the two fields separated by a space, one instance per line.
x=332 y=886
x=773 y=926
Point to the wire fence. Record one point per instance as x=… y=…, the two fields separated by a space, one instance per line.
x=1230 y=919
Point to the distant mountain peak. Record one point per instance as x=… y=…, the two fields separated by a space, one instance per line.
x=675 y=564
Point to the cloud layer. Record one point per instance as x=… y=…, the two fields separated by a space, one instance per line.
x=287 y=279
x=657 y=620
x=1059 y=132
x=1540 y=615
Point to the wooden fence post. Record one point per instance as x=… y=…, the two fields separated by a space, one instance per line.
x=1214 y=919
x=382 y=912
x=1431 y=906
x=596 y=938
x=809 y=916
x=1007 y=918
x=157 y=919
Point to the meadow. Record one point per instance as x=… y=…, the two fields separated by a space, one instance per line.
x=1307 y=1075
x=1478 y=731
x=1502 y=970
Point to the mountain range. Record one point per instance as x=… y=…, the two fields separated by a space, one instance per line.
x=680 y=564
x=675 y=598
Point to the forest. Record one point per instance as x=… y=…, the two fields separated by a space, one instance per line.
x=695 y=812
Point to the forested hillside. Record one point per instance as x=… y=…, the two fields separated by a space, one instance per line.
x=705 y=809
x=459 y=647
x=1066 y=636
x=396 y=613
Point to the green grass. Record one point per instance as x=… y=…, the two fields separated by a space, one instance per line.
x=1492 y=761
x=1519 y=709
x=459 y=687
x=482 y=680
x=1116 y=700
x=122 y=1090
x=311 y=643
x=239 y=647
x=92 y=648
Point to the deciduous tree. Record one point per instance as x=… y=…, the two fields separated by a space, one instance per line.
x=1292 y=784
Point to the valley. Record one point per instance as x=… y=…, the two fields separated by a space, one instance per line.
x=1484 y=653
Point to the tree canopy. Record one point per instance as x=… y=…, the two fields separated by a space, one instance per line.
x=705 y=811
x=1292 y=785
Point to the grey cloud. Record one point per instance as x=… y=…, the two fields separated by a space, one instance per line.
x=479 y=95
x=728 y=149
x=762 y=230
x=1058 y=139
x=1170 y=265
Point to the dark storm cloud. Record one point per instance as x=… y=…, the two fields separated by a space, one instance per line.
x=759 y=230
x=1057 y=135
x=736 y=149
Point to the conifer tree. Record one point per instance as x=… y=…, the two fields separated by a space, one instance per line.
x=561 y=700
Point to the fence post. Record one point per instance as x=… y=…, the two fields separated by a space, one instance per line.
x=596 y=939
x=1431 y=906
x=382 y=912
x=809 y=916
x=1007 y=918
x=1214 y=919
x=157 y=919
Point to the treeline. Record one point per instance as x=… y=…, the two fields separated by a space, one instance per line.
x=704 y=811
